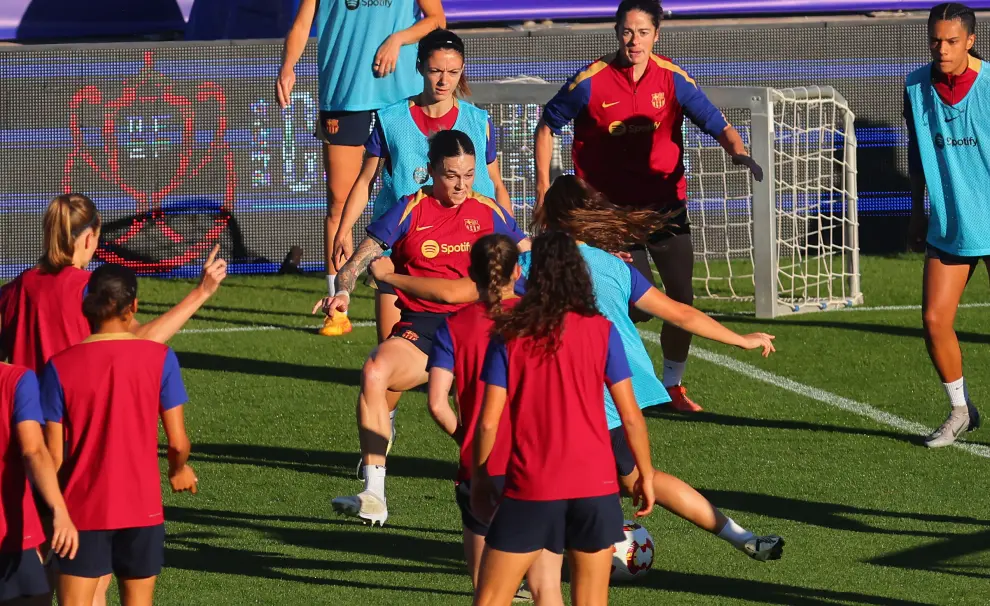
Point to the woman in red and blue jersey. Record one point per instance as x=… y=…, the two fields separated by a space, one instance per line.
x=41 y=309
x=547 y=362
x=430 y=233
x=102 y=400
x=458 y=353
x=628 y=110
x=22 y=456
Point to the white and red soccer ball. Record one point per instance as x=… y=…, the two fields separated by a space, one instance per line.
x=632 y=557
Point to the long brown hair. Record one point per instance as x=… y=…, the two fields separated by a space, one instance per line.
x=558 y=283
x=66 y=218
x=493 y=258
x=574 y=207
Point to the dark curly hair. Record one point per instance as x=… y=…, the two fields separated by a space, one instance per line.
x=558 y=283
x=574 y=207
x=493 y=258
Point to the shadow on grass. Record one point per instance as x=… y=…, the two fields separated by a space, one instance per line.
x=322 y=462
x=833 y=516
x=761 y=592
x=723 y=420
x=160 y=308
x=938 y=556
x=268 y=368
x=391 y=549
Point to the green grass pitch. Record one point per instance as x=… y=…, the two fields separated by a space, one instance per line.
x=869 y=515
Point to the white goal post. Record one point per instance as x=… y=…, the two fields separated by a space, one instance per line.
x=789 y=243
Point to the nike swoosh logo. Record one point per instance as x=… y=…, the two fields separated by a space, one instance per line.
x=422 y=228
x=610 y=104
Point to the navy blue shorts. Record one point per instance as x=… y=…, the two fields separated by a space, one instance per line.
x=418 y=327
x=951 y=259
x=589 y=525
x=22 y=575
x=345 y=128
x=129 y=553
x=462 y=494
x=625 y=463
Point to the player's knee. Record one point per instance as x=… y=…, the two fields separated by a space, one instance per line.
x=936 y=321
x=375 y=374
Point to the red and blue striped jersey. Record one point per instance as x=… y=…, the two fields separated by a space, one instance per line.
x=108 y=393
x=431 y=240
x=20 y=526
x=41 y=315
x=561 y=447
x=628 y=139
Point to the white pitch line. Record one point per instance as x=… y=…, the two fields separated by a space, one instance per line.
x=908 y=307
x=859 y=408
x=258 y=328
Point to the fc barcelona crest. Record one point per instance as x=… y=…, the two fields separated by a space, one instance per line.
x=421 y=175
x=472 y=225
x=659 y=100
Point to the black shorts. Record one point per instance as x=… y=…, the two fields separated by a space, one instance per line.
x=418 y=327
x=130 y=553
x=951 y=259
x=462 y=494
x=673 y=254
x=589 y=525
x=345 y=128
x=22 y=575
x=625 y=463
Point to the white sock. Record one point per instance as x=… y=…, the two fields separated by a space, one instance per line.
x=374 y=480
x=735 y=534
x=957 y=392
x=673 y=372
x=331 y=284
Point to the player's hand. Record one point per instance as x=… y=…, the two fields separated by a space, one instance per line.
x=380 y=268
x=643 y=496
x=918 y=232
x=343 y=248
x=214 y=272
x=541 y=193
x=624 y=255
x=339 y=302
x=386 y=57
x=759 y=340
x=750 y=163
x=183 y=479
x=284 y=85
x=65 y=537
x=483 y=497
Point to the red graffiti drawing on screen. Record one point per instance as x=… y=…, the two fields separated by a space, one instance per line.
x=162 y=153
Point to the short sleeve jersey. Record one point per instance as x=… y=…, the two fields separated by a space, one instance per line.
x=108 y=393
x=431 y=240
x=561 y=447
x=20 y=526
x=459 y=346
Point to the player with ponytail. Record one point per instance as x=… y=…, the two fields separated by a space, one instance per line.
x=546 y=365
x=102 y=400
x=573 y=207
x=397 y=150
x=947 y=110
x=430 y=233
x=458 y=353
x=38 y=316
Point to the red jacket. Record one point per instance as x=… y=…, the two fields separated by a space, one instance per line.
x=628 y=138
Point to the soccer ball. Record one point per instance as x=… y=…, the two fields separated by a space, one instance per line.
x=632 y=557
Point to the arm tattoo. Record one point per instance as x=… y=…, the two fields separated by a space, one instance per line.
x=359 y=261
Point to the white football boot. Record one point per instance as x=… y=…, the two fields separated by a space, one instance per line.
x=761 y=549
x=367 y=506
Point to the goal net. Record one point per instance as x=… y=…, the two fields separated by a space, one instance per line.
x=786 y=245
